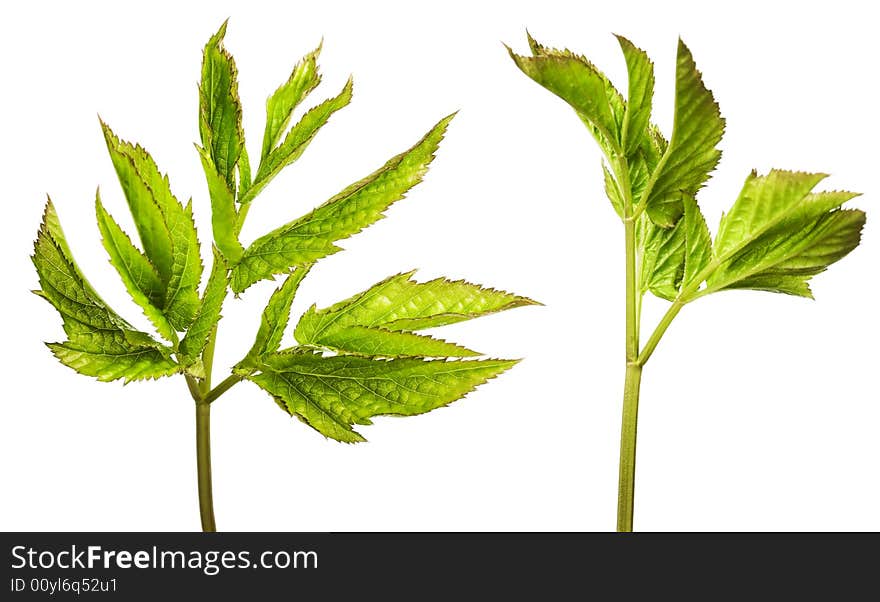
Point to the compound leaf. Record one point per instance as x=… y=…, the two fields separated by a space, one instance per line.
x=332 y=394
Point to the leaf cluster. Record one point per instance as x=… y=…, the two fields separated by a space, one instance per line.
x=357 y=359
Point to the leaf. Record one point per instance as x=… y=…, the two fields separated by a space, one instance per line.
x=763 y=202
x=361 y=204
x=400 y=304
x=135 y=364
x=208 y=316
x=612 y=191
x=280 y=106
x=784 y=260
x=100 y=343
x=296 y=141
x=662 y=258
x=691 y=156
x=275 y=318
x=220 y=108
x=698 y=243
x=576 y=81
x=139 y=276
x=638 y=99
x=224 y=218
x=166 y=228
x=331 y=394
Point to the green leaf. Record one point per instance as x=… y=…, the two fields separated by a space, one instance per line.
x=691 y=156
x=400 y=304
x=166 y=228
x=361 y=204
x=612 y=191
x=380 y=342
x=783 y=260
x=577 y=81
x=134 y=364
x=662 y=258
x=100 y=343
x=224 y=217
x=640 y=93
x=275 y=318
x=208 y=316
x=331 y=394
x=220 y=108
x=763 y=203
x=698 y=243
x=297 y=140
x=139 y=276
x=280 y=106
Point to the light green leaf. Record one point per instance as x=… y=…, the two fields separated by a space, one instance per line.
x=96 y=334
x=220 y=108
x=139 y=276
x=612 y=191
x=297 y=140
x=166 y=228
x=764 y=202
x=398 y=303
x=691 y=156
x=662 y=258
x=783 y=260
x=639 y=96
x=361 y=204
x=133 y=364
x=275 y=318
x=280 y=106
x=208 y=315
x=698 y=243
x=576 y=81
x=380 y=342
x=331 y=394
x=224 y=218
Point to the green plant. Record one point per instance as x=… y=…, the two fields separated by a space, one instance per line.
x=777 y=235
x=356 y=359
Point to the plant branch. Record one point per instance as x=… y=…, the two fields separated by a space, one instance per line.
x=628 y=427
x=229 y=382
x=203 y=461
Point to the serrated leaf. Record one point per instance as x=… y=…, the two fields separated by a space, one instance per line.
x=332 y=394
x=208 y=315
x=224 y=217
x=763 y=202
x=662 y=258
x=135 y=364
x=275 y=317
x=95 y=332
x=280 y=106
x=639 y=96
x=577 y=81
x=698 y=243
x=166 y=228
x=139 y=276
x=361 y=204
x=400 y=304
x=783 y=260
x=691 y=156
x=220 y=108
x=297 y=140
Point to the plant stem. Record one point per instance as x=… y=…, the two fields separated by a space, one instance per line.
x=628 y=427
x=203 y=459
x=658 y=333
x=224 y=386
x=630 y=389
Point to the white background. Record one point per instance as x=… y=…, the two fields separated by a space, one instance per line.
x=759 y=411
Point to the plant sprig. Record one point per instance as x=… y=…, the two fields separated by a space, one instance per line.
x=779 y=233
x=360 y=358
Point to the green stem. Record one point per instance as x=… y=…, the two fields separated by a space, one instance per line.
x=658 y=333
x=203 y=459
x=627 y=481
x=224 y=386
x=632 y=314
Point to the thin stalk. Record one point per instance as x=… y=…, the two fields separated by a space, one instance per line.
x=629 y=423
x=658 y=333
x=203 y=459
x=224 y=386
